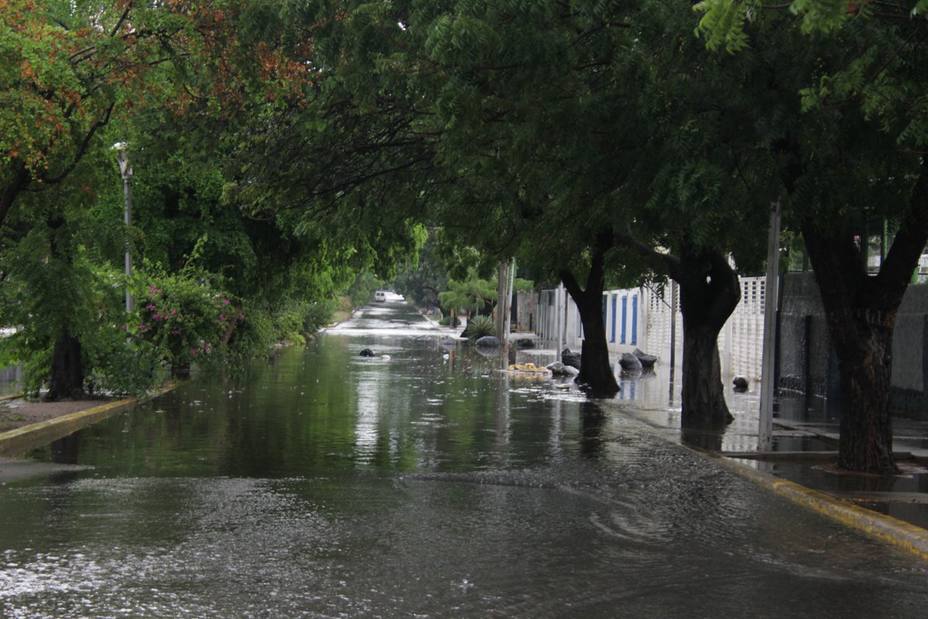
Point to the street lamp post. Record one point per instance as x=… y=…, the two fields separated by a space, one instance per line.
x=125 y=169
x=768 y=380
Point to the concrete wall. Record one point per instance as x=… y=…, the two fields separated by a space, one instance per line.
x=526 y=307
x=807 y=363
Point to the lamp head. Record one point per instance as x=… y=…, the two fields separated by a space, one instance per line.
x=122 y=156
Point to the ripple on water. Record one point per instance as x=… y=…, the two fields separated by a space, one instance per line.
x=211 y=538
x=518 y=503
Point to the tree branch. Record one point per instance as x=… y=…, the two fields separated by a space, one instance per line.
x=82 y=147
x=668 y=264
x=570 y=282
x=896 y=270
x=21 y=179
x=122 y=19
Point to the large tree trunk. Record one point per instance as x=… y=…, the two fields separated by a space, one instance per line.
x=860 y=310
x=66 y=378
x=595 y=371
x=861 y=333
x=709 y=293
x=702 y=392
x=866 y=427
x=67 y=373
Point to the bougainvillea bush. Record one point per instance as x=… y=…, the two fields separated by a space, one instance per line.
x=187 y=317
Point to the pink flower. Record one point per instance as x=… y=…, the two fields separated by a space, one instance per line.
x=225 y=301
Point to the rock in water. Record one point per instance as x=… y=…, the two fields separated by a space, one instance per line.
x=570 y=358
x=559 y=370
x=740 y=383
x=630 y=363
x=448 y=344
x=367 y=352
x=647 y=361
x=489 y=341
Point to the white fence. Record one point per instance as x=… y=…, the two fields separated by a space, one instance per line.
x=641 y=318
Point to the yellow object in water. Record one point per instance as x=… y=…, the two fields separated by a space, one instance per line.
x=527 y=367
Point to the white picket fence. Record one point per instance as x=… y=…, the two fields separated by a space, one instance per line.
x=641 y=318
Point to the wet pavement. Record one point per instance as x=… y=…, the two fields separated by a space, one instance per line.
x=798 y=429
x=419 y=482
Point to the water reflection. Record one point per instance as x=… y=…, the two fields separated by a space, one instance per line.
x=429 y=484
x=65 y=450
x=704 y=437
x=592 y=423
x=366 y=426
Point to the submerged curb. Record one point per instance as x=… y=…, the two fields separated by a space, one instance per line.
x=22 y=440
x=903 y=535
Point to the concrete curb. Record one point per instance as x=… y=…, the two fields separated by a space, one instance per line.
x=22 y=440
x=899 y=533
x=903 y=535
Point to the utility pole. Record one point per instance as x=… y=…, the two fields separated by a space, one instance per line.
x=558 y=314
x=767 y=386
x=125 y=169
x=502 y=303
x=510 y=293
x=673 y=335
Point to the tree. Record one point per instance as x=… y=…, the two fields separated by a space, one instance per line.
x=421 y=279
x=474 y=295
x=535 y=131
x=850 y=150
x=66 y=67
x=69 y=69
x=593 y=149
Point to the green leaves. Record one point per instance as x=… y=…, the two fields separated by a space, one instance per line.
x=471 y=295
x=722 y=23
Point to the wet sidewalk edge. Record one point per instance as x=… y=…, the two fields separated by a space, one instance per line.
x=905 y=536
x=19 y=441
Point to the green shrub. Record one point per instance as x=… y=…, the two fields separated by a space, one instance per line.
x=478 y=327
x=186 y=317
x=118 y=365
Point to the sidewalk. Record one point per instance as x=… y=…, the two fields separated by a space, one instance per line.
x=26 y=425
x=805 y=450
x=16 y=412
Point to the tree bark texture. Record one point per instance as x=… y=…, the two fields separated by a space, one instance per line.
x=595 y=371
x=709 y=293
x=866 y=437
x=67 y=372
x=66 y=378
x=861 y=334
x=19 y=180
x=860 y=310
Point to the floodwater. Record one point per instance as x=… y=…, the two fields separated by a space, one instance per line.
x=423 y=484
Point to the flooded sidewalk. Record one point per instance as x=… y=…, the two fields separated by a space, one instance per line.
x=804 y=449
x=418 y=482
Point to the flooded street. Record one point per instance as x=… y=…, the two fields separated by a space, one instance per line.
x=418 y=482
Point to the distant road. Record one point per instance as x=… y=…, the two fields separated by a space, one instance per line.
x=389 y=318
